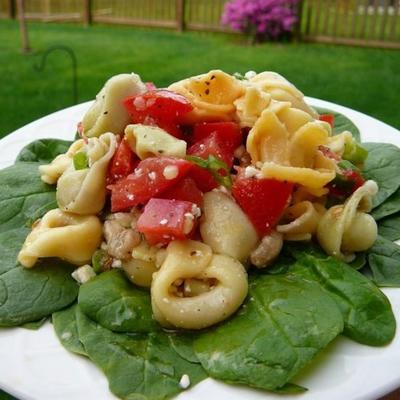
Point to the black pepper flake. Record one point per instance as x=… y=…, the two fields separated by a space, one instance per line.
x=207 y=83
x=160 y=151
x=105 y=112
x=207 y=91
x=213 y=77
x=193 y=253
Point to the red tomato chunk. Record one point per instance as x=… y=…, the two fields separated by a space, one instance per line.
x=151 y=177
x=227 y=132
x=162 y=108
x=329 y=118
x=123 y=162
x=263 y=201
x=186 y=190
x=164 y=220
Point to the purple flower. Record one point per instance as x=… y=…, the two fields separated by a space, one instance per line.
x=265 y=18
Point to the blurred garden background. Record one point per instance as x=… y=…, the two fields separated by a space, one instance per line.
x=344 y=51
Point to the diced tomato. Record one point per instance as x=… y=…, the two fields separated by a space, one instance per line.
x=79 y=129
x=263 y=200
x=228 y=132
x=345 y=183
x=213 y=145
x=186 y=190
x=203 y=178
x=164 y=220
x=329 y=118
x=151 y=177
x=162 y=108
x=123 y=163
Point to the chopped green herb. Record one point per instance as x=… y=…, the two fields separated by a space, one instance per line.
x=354 y=152
x=239 y=76
x=81 y=161
x=215 y=166
x=100 y=259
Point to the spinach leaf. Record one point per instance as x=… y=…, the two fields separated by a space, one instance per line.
x=137 y=366
x=359 y=262
x=383 y=166
x=23 y=196
x=367 y=313
x=66 y=328
x=43 y=150
x=282 y=326
x=384 y=261
x=387 y=208
x=342 y=123
x=389 y=227
x=28 y=295
x=116 y=304
x=34 y=325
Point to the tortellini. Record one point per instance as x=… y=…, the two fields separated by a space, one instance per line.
x=347 y=228
x=108 y=114
x=281 y=89
x=302 y=222
x=149 y=141
x=226 y=228
x=73 y=238
x=287 y=142
x=83 y=191
x=140 y=268
x=212 y=96
x=51 y=172
x=223 y=290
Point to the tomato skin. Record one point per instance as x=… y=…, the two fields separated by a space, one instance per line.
x=123 y=162
x=203 y=178
x=329 y=118
x=263 y=200
x=185 y=190
x=158 y=107
x=212 y=145
x=227 y=132
x=146 y=181
x=163 y=220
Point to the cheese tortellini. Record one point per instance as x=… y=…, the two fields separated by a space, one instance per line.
x=83 y=191
x=222 y=286
x=302 y=221
x=149 y=141
x=281 y=89
x=347 y=228
x=287 y=143
x=73 y=238
x=108 y=114
x=50 y=173
x=212 y=96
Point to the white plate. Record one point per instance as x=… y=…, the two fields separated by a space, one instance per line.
x=34 y=366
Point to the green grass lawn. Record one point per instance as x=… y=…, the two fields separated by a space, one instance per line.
x=364 y=79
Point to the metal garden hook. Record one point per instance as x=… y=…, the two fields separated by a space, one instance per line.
x=42 y=65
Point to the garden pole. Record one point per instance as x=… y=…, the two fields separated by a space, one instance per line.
x=22 y=26
x=11 y=9
x=87 y=12
x=180 y=15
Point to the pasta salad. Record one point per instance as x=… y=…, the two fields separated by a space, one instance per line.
x=214 y=222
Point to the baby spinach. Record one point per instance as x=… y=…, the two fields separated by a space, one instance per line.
x=389 y=227
x=66 y=328
x=388 y=207
x=342 y=123
x=43 y=150
x=284 y=323
x=137 y=366
x=384 y=261
x=28 y=295
x=383 y=166
x=112 y=301
x=367 y=313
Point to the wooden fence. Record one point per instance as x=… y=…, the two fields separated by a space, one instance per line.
x=355 y=22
